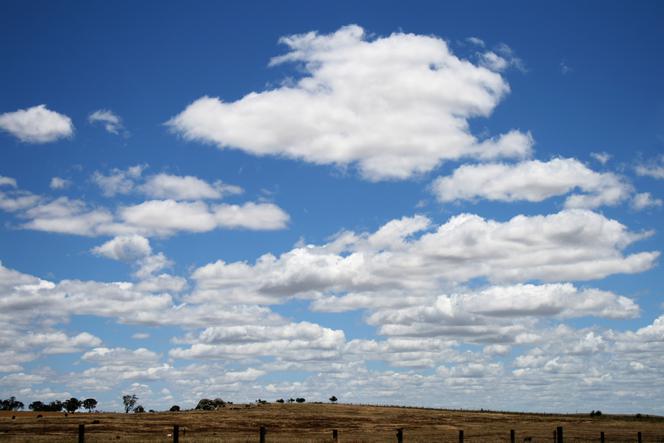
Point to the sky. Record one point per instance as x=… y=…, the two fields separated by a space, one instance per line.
x=448 y=204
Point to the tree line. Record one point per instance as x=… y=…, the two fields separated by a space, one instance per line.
x=70 y=405
x=129 y=402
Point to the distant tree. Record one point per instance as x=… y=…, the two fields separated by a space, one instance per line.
x=281 y=400
x=55 y=406
x=291 y=400
x=300 y=400
x=205 y=404
x=139 y=409
x=36 y=406
x=333 y=399
x=175 y=408
x=11 y=404
x=72 y=405
x=90 y=404
x=129 y=401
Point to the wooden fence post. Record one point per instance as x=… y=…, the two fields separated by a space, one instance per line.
x=176 y=433
x=335 y=436
x=559 y=434
x=400 y=435
x=460 y=435
x=81 y=433
x=601 y=437
x=512 y=436
x=555 y=440
x=263 y=431
x=638 y=437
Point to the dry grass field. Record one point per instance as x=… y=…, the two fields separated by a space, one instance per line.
x=315 y=422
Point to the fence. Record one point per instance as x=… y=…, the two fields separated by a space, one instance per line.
x=558 y=435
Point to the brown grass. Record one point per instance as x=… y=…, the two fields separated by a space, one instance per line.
x=315 y=422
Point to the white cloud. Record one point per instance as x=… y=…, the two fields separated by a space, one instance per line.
x=112 y=122
x=533 y=181
x=476 y=41
x=410 y=86
x=601 y=157
x=186 y=188
x=164 y=217
x=394 y=265
x=653 y=168
x=7 y=181
x=125 y=248
x=644 y=200
x=119 y=181
x=36 y=125
x=296 y=341
x=149 y=218
x=59 y=183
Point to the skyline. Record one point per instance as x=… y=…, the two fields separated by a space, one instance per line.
x=418 y=207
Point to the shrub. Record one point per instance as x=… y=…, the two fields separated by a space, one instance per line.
x=300 y=400
x=175 y=408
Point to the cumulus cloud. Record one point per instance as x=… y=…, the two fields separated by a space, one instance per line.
x=125 y=248
x=408 y=257
x=149 y=218
x=601 y=157
x=653 y=168
x=186 y=188
x=119 y=181
x=295 y=341
x=7 y=181
x=644 y=200
x=410 y=86
x=533 y=181
x=112 y=123
x=36 y=125
x=59 y=183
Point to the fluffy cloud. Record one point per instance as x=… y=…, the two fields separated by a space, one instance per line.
x=125 y=248
x=395 y=263
x=7 y=181
x=119 y=181
x=653 y=168
x=198 y=217
x=149 y=218
x=410 y=86
x=296 y=341
x=59 y=183
x=533 y=181
x=186 y=188
x=36 y=125
x=644 y=200
x=111 y=122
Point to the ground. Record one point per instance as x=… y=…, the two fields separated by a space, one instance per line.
x=315 y=422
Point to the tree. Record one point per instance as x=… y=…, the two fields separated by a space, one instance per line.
x=11 y=404
x=129 y=401
x=72 y=405
x=37 y=406
x=139 y=409
x=300 y=400
x=281 y=400
x=291 y=400
x=205 y=404
x=175 y=408
x=333 y=399
x=89 y=404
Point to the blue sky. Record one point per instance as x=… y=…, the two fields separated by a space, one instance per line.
x=375 y=201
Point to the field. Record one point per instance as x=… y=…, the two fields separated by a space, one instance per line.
x=315 y=422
